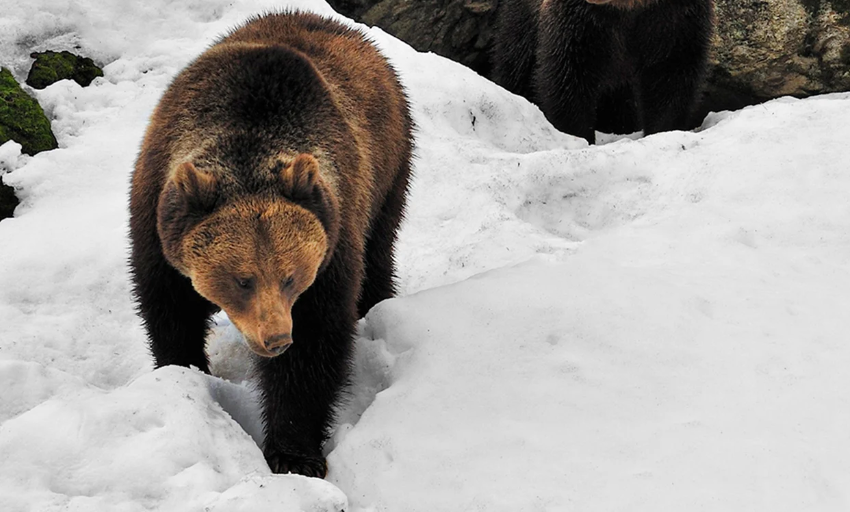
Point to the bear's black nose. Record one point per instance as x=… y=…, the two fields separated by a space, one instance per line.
x=278 y=350
x=278 y=343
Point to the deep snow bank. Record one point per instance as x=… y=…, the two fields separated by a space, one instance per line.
x=163 y=443
x=690 y=355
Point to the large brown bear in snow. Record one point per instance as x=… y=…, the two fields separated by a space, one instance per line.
x=591 y=63
x=271 y=184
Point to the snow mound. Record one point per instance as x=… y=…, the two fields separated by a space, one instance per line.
x=689 y=351
x=105 y=452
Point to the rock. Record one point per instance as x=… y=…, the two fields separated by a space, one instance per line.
x=763 y=49
x=22 y=119
x=8 y=200
x=50 y=67
x=458 y=29
x=782 y=47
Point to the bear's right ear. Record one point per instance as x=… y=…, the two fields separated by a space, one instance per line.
x=301 y=182
x=188 y=196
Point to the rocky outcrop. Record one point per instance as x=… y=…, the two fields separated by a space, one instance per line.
x=8 y=200
x=458 y=29
x=22 y=119
x=782 y=47
x=762 y=49
x=50 y=67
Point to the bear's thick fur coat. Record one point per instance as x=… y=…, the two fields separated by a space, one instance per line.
x=270 y=184
x=589 y=63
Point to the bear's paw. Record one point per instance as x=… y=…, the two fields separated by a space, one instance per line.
x=281 y=462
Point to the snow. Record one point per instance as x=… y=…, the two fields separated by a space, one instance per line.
x=650 y=324
x=100 y=443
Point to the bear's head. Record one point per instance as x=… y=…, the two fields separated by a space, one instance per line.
x=252 y=255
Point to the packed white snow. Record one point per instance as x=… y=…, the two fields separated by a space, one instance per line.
x=652 y=324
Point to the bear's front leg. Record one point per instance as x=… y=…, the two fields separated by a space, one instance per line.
x=667 y=96
x=574 y=64
x=301 y=387
x=672 y=43
x=568 y=95
x=175 y=315
x=515 y=47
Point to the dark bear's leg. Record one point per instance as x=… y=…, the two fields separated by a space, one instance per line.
x=671 y=41
x=378 y=282
x=574 y=57
x=514 y=46
x=175 y=315
x=616 y=111
x=301 y=387
x=668 y=92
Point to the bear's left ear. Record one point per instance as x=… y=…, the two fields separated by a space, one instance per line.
x=197 y=190
x=186 y=198
x=300 y=176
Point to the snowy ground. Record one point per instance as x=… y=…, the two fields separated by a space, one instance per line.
x=659 y=324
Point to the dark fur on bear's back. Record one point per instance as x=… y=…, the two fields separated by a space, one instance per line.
x=570 y=55
x=289 y=83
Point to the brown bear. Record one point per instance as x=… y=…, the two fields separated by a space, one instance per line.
x=270 y=184
x=592 y=64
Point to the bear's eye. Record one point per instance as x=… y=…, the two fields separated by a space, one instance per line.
x=288 y=282
x=245 y=283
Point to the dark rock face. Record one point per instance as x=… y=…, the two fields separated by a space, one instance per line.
x=762 y=49
x=50 y=67
x=8 y=200
x=458 y=29
x=22 y=119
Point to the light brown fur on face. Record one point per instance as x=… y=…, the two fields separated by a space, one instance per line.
x=253 y=260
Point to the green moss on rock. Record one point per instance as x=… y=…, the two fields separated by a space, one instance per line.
x=22 y=119
x=8 y=200
x=50 y=67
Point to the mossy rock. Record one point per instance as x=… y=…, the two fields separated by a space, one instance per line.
x=8 y=200
x=22 y=119
x=50 y=67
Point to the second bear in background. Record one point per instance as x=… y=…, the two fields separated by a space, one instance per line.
x=572 y=57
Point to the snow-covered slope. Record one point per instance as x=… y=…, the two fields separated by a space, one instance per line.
x=657 y=324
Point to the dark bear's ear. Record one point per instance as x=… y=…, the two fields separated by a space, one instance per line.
x=196 y=190
x=299 y=176
x=188 y=193
x=186 y=198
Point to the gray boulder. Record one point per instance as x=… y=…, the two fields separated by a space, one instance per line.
x=782 y=47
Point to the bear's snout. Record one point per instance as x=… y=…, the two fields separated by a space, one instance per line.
x=278 y=343
x=268 y=334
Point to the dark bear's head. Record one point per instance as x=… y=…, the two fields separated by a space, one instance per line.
x=251 y=256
